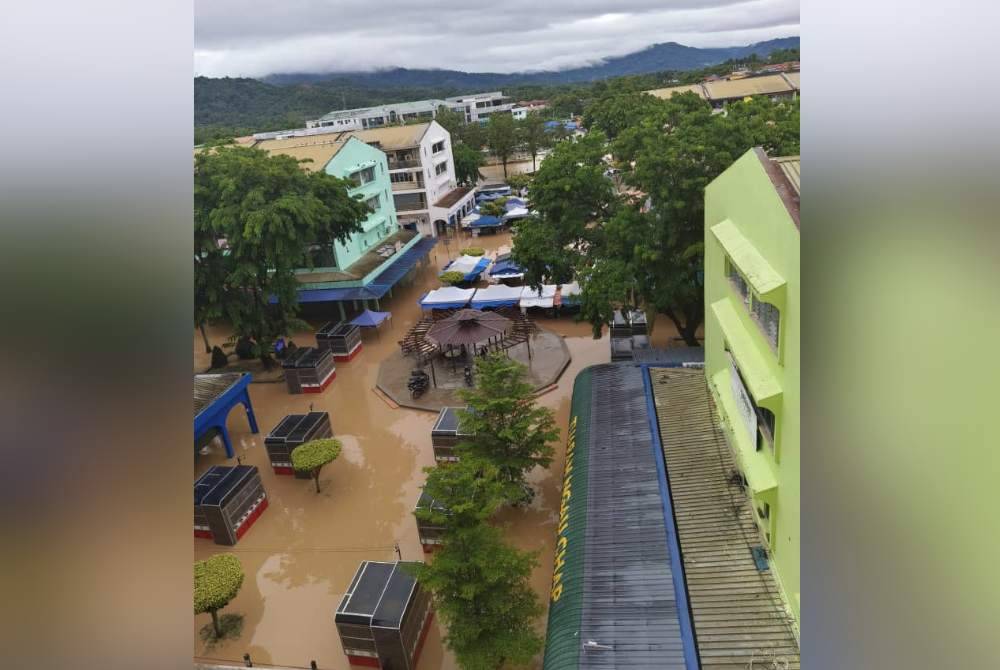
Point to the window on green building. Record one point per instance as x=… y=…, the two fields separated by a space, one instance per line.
x=373 y=203
x=362 y=177
x=738 y=282
x=767 y=317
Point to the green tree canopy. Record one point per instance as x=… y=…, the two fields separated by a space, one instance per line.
x=532 y=135
x=508 y=428
x=312 y=456
x=451 y=120
x=614 y=113
x=268 y=211
x=468 y=160
x=501 y=137
x=217 y=580
x=451 y=277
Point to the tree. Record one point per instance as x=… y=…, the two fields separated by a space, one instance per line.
x=572 y=197
x=217 y=580
x=312 y=456
x=467 y=163
x=507 y=428
x=519 y=181
x=479 y=584
x=615 y=113
x=533 y=136
x=268 y=211
x=493 y=208
x=451 y=277
x=565 y=105
x=501 y=137
x=451 y=121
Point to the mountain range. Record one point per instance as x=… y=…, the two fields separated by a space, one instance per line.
x=658 y=57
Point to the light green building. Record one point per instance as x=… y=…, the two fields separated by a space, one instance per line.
x=347 y=157
x=752 y=341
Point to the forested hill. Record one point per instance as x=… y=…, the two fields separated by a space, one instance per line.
x=656 y=58
x=234 y=106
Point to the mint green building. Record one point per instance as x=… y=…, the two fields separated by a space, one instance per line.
x=752 y=341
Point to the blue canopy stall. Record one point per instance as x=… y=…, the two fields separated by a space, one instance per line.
x=214 y=396
x=370 y=319
x=448 y=297
x=470 y=266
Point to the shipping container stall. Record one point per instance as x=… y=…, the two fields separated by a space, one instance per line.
x=621 y=349
x=637 y=320
x=309 y=370
x=384 y=617
x=342 y=338
x=227 y=501
x=430 y=534
x=446 y=434
x=619 y=325
x=293 y=430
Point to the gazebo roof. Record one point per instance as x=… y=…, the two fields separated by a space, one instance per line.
x=468 y=326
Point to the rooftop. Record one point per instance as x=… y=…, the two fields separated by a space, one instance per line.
x=666 y=93
x=738 y=612
x=393 y=137
x=320 y=149
x=784 y=173
x=361 y=267
x=453 y=196
x=725 y=89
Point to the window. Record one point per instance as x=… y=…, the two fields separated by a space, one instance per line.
x=400 y=177
x=363 y=177
x=767 y=317
x=764 y=511
x=765 y=428
x=373 y=203
x=438 y=147
x=738 y=282
x=760 y=422
x=441 y=168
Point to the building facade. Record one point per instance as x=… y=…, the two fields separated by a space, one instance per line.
x=752 y=342
x=717 y=92
x=476 y=107
x=422 y=176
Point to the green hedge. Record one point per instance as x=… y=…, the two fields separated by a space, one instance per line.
x=311 y=455
x=217 y=580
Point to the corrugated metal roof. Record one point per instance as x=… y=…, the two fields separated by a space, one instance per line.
x=613 y=562
x=738 y=611
x=740 y=88
x=393 y=137
x=790 y=166
x=793 y=79
x=670 y=91
x=320 y=149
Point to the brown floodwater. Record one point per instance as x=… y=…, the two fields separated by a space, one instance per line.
x=300 y=555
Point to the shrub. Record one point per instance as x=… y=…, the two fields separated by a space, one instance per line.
x=451 y=277
x=312 y=456
x=473 y=251
x=217 y=580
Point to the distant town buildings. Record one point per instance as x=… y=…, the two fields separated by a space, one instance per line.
x=475 y=107
x=752 y=341
x=718 y=91
x=525 y=107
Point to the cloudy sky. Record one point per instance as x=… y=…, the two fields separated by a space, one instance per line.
x=253 y=38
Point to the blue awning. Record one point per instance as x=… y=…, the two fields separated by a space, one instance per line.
x=486 y=222
x=370 y=319
x=506 y=266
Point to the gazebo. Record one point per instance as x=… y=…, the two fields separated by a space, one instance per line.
x=467 y=328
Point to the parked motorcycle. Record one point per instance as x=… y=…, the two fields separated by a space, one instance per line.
x=418 y=384
x=468 y=376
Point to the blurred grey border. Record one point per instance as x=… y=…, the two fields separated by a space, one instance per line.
x=900 y=258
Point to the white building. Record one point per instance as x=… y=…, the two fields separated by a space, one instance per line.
x=476 y=107
x=422 y=172
x=522 y=109
x=479 y=106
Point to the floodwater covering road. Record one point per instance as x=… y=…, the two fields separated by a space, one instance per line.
x=301 y=554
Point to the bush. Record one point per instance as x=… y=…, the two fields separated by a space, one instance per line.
x=312 y=456
x=473 y=251
x=219 y=358
x=217 y=580
x=451 y=278
x=246 y=348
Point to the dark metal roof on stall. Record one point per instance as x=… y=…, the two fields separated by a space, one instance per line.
x=447 y=421
x=619 y=605
x=378 y=595
x=738 y=611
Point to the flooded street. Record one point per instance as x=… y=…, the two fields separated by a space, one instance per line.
x=302 y=552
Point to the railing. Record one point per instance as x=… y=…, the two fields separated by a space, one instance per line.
x=407 y=185
x=410 y=206
x=402 y=164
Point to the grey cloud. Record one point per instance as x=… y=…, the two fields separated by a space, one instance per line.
x=258 y=37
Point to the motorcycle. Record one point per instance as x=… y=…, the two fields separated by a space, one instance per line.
x=418 y=384
x=468 y=376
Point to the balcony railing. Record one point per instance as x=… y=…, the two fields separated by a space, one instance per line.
x=407 y=185
x=404 y=164
x=408 y=204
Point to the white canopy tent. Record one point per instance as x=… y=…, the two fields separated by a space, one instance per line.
x=447 y=297
x=543 y=298
x=498 y=295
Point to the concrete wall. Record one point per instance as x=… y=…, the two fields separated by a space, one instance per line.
x=379 y=225
x=744 y=195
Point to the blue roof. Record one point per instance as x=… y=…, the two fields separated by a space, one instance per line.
x=505 y=266
x=378 y=286
x=486 y=222
x=369 y=318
